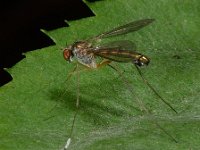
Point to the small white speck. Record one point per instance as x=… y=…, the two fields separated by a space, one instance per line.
x=67 y=144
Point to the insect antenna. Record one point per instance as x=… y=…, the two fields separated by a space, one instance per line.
x=151 y=87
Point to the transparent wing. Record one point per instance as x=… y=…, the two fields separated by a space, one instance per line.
x=124 y=29
x=121 y=44
x=120 y=51
x=116 y=58
x=115 y=54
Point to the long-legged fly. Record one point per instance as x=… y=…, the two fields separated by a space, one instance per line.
x=86 y=51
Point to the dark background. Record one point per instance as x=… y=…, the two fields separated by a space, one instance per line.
x=21 y=22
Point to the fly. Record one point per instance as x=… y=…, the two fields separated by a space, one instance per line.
x=119 y=51
x=85 y=52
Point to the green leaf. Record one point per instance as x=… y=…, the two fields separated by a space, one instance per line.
x=38 y=106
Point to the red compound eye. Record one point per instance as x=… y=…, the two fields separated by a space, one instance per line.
x=67 y=53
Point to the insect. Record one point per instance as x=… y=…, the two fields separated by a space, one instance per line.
x=86 y=51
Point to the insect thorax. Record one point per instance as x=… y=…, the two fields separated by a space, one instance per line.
x=81 y=51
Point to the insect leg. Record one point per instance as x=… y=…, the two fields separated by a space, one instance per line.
x=61 y=93
x=140 y=103
x=151 y=87
x=77 y=108
x=103 y=63
x=129 y=87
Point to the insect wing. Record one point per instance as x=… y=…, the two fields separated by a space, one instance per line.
x=117 y=55
x=124 y=29
x=121 y=44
